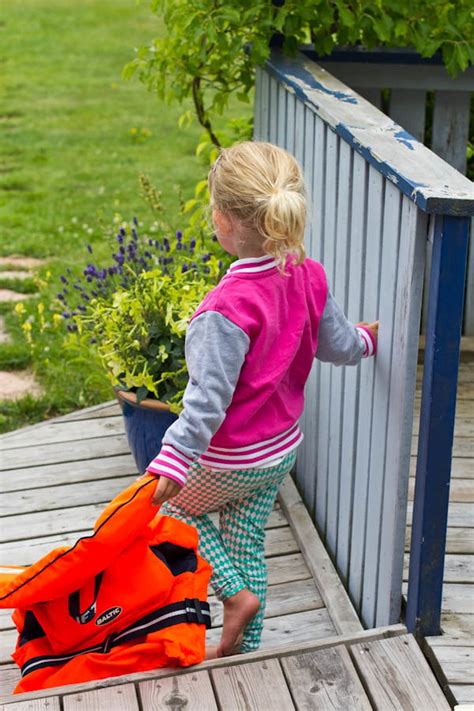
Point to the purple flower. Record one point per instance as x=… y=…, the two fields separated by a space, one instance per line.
x=122 y=231
x=63 y=279
x=112 y=270
x=94 y=293
x=192 y=244
x=122 y=250
x=61 y=297
x=89 y=278
x=135 y=221
x=179 y=245
x=120 y=238
x=206 y=257
x=89 y=248
x=71 y=327
x=134 y=234
x=220 y=264
x=185 y=267
x=85 y=297
x=179 y=235
x=81 y=308
x=66 y=314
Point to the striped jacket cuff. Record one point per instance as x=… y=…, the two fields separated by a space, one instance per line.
x=369 y=341
x=171 y=464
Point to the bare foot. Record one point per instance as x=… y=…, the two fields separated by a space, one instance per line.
x=211 y=652
x=238 y=611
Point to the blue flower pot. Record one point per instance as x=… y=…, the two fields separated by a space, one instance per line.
x=145 y=428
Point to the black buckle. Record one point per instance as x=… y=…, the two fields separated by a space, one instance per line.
x=197 y=615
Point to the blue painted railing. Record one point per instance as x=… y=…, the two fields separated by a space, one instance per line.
x=376 y=196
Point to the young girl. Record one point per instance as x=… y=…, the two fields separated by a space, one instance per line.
x=249 y=350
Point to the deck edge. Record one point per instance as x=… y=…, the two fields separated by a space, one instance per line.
x=282 y=651
x=331 y=589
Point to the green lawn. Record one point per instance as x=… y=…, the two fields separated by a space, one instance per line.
x=71 y=162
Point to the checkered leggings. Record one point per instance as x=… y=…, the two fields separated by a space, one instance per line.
x=244 y=500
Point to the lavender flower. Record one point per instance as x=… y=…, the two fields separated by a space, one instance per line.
x=89 y=248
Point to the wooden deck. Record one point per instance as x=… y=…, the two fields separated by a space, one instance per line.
x=378 y=669
x=452 y=654
x=56 y=478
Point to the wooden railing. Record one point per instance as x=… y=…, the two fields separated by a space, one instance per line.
x=407 y=81
x=376 y=195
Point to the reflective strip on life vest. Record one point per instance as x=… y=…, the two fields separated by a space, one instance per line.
x=185 y=611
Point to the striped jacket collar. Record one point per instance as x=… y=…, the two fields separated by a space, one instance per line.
x=252 y=265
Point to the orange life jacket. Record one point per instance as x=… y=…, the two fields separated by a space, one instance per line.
x=132 y=596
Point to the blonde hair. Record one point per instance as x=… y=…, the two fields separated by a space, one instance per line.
x=263 y=187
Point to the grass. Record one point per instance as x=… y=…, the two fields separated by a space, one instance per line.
x=74 y=138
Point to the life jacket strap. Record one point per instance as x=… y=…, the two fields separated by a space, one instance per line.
x=189 y=610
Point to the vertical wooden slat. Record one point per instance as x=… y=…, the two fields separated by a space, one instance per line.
x=257 y=111
x=407 y=107
x=274 y=113
x=290 y=122
x=378 y=462
x=400 y=422
x=451 y=127
x=282 y=115
x=469 y=304
x=265 y=108
x=341 y=266
x=307 y=460
x=370 y=311
x=328 y=239
x=355 y=282
x=372 y=95
x=299 y=138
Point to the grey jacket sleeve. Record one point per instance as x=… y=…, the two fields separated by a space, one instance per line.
x=339 y=341
x=215 y=352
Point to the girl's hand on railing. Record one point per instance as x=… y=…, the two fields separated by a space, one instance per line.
x=372 y=327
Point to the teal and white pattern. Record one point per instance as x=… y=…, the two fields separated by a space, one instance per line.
x=244 y=500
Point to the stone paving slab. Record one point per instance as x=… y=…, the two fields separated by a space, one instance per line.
x=9 y=295
x=14 y=385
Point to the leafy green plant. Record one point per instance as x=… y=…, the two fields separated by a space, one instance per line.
x=132 y=314
x=139 y=333
x=212 y=47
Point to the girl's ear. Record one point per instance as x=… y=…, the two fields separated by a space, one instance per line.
x=222 y=222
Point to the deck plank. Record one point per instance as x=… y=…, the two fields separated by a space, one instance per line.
x=118 y=698
x=192 y=692
x=26 y=552
x=397 y=676
x=325 y=680
x=282 y=599
x=259 y=685
x=50 y=704
x=50 y=475
x=299 y=627
x=54 y=433
x=64 y=452
x=457 y=663
x=458 y=540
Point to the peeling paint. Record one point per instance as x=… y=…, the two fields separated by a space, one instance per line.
x=389 y=148
x=405 y=138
